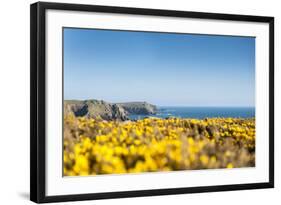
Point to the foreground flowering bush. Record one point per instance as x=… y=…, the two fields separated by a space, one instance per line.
x=94 y=146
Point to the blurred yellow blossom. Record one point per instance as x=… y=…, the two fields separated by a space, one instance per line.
x=95 y=146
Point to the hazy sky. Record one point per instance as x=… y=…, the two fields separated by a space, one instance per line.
x=162 y=69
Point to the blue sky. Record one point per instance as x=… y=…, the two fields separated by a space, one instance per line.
x=160 y=68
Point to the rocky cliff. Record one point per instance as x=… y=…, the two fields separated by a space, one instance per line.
x=139 y=108
x=105 y=110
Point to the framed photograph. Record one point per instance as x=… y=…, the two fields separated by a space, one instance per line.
x=129 y=102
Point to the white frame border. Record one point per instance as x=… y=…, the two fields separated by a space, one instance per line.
x=58 y=185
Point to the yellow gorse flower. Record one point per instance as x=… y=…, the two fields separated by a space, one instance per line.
x=94 y=146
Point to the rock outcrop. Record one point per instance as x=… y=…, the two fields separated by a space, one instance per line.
x=105 y=110
x=139 y=108
x=95 y=109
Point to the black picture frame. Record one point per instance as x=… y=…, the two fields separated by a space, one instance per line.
x=38 y=103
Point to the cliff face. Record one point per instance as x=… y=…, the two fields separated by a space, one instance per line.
x=95 y=109
x=105 y=110
x=139 y=108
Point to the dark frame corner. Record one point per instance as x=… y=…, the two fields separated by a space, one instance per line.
x=37 y=100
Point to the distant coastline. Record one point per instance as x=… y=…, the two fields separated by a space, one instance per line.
x=108 y=111
x=139 y=110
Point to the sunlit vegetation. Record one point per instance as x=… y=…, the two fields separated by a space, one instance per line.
x=95 y=146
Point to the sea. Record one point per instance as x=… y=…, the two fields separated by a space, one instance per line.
x=200 y=112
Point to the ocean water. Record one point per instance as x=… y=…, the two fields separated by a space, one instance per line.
x=200 y=112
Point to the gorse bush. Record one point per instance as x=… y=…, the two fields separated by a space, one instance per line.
x=95 y=146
